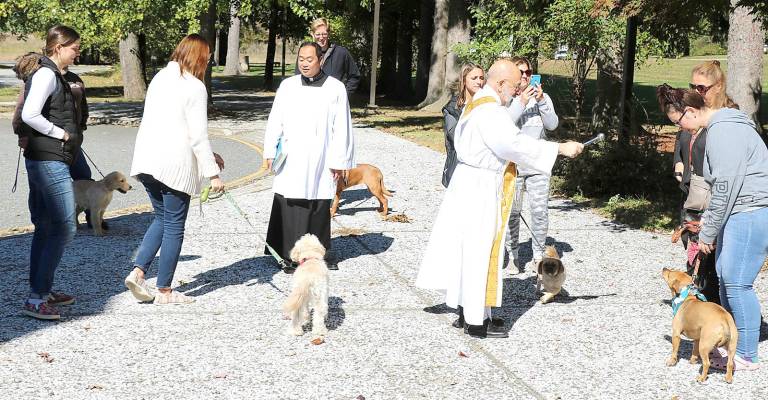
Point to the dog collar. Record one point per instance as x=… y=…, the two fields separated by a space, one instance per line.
x=688 y=290
x=303 y=260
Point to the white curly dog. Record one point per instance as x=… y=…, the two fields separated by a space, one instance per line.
x=310 y=288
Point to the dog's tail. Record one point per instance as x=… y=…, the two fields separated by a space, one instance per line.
x=384 y=190
x=298 y=296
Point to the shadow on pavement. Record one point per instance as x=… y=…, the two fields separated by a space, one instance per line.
x=348 y=247
x=92 y=270
x=255 y=270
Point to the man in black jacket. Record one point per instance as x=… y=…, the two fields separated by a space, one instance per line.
x=336 y=61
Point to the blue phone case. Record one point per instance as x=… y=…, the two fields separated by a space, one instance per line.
x=535 y=80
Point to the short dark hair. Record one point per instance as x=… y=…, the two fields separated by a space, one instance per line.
x=318 y=49
x=677 y=99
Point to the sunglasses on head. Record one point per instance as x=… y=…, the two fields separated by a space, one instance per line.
x=526 y=72
x=701 y=89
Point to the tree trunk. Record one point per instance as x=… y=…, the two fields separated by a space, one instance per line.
x=404 y=88
x=436 y=82
x=388 y=78
x=269 y=68
x=134 y=87
x=745 y=61
x=233 y=41
x=208 y=31
x=426 y=13
x=458 y=31
x=605 y=111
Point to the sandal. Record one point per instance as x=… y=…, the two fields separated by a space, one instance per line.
x=173 y=297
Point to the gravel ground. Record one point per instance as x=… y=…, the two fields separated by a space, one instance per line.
x=608 y=338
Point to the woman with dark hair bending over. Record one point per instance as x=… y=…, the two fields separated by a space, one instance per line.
x=736 y=220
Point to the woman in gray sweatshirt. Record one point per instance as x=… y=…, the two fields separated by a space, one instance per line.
x=736 y=220
x=533 y=112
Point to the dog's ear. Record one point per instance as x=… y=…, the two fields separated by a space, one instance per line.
x=296 y=251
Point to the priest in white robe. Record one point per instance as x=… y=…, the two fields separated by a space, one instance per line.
x=310 y=119
x=465 y=253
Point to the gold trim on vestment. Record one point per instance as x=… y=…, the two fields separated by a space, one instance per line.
x=507 y=198
x=474 y=104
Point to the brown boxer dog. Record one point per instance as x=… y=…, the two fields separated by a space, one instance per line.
x=708 y=324
x=372 y=178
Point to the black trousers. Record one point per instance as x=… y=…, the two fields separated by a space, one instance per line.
x=707 y=279
x=293 y=218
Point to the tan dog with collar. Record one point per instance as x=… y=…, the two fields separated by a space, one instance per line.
x=708 y=324
x=372 y=178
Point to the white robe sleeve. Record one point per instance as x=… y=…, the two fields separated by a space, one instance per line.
x=196 y=114
x=274 y=128
x=341 y=147
x=502 y=136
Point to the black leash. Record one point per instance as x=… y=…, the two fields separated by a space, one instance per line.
x=16 y=180
x=533 y=237
x=92 y=163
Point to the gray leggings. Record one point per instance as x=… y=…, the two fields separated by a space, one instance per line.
x=537 y=187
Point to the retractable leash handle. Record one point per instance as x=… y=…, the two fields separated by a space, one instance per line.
x=597 y=139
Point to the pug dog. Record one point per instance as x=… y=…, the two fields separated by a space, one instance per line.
x=550 y=275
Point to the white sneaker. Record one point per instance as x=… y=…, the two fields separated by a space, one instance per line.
x=138 y=287
x=533 y=265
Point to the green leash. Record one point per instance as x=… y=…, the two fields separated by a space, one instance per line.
x=206 y=195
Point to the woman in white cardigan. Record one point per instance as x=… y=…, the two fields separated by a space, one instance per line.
x=171 y=158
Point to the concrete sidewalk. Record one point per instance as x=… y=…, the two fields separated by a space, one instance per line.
x=608 y=338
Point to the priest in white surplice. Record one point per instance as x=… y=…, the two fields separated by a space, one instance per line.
x=310 y=118
x=465 y=252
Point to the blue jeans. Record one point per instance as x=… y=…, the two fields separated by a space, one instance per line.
x=80 y=169
x=166 y=231
x=52 y=211
x=741 y=250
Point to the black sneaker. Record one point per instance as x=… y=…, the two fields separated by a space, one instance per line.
x=332 y=265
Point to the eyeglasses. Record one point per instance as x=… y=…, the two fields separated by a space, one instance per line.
x=681 y=118
x=701 y=89
x=526 y=72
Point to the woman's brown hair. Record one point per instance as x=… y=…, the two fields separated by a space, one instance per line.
x=59 y=35
x=712 y=71
x=192 y=54
x=671 y=99
x=465 y=70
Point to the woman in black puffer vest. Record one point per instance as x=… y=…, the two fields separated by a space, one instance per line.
x=53 y=137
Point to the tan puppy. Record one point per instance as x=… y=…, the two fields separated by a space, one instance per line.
x=708 y=324
x=96 y=196
x=372 y=178
x=310 y=288
x=551 y=274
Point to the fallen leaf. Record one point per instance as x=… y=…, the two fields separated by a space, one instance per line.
x=318 y=341
x=220 y=375
x=360 y=397
x=87 y=327
x=675 y=397
x=398 y=218
x=462 y=354
x=95 y=387
x=45 y=356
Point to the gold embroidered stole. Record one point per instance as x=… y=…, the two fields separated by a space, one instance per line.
x=474 y=104
x=508 y=197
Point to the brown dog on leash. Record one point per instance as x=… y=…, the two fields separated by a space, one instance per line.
x=708 y=324
x=551 y=274
x=372 y=178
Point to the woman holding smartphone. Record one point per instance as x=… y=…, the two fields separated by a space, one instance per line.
x=533 y=112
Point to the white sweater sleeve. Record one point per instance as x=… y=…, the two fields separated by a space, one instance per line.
x=43 y=85
x=196 y=114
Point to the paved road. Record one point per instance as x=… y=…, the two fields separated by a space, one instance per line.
x=8 y=78
x=111 y=148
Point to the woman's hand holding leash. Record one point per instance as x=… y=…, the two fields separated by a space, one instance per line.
x=217 y=185
x=706 y=248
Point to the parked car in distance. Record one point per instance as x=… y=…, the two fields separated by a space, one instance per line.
x=765 y=48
